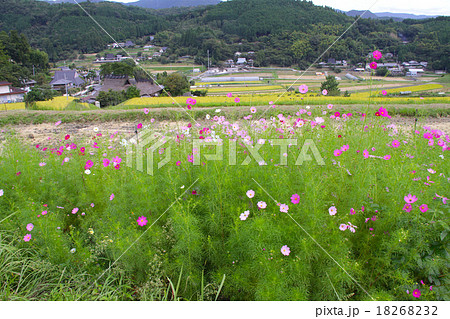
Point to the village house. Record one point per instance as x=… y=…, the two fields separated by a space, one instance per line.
x=64 y=77
x=9 y=94
x=241 y=61
x=123 y=82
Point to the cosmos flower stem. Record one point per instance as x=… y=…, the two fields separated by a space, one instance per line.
x=170 y=206
x=315 y=241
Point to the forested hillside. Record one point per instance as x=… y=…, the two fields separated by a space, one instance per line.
x=60 y=29
x=282 y=32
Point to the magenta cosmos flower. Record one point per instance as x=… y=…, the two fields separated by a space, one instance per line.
x=139 y=126
x=111 y=197
x=410 y=199
x=384 y=92
x=407 y=208
x=303 y=88
x=105 y=162
x=89 y=164
x=395 y=143
x=366 y=154
x=237 y=100
x=285 y=250
x=373 y=65
x=229 y=94
x=377 y=55
x=416 y=293
x=423 y=208
x=142 y=221
x=27 y=237
x=337 y=152
x=295 y=199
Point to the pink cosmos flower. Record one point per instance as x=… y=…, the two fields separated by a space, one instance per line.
x=366 y=154
x=27 y=237
x=75 y=210
x=407 y=208
x=253 y=109
x=384 y=92
x=111 y=197
x=262 y=205
x=92 y=205
x=229 y=94
x=416 y=293
x=42 y=164
x=343 y=227
x=142 y=221
x=332 y=210
x=285 y=250
x=410 y=199
x=325 y=92
x=146 y=111
x=44 y=213
x=284 y=208
x=237 y=100
x=423 y=208
x=377 y=55
x=395 y=143
x=139 y=126
x=105 y=162
x=330 y=106
x=1 y=192
x=337 y=152
x=373 y=65
x=303 y=88
x=30 y=227
x=387 y=157
x=352 y=211
x=250 y=193
x=295 y=199
x=57 y=123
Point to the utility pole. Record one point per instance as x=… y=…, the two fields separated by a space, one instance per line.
x=208 y=59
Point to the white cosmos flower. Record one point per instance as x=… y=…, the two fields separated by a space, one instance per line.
x=96 y=129
x=87 y=172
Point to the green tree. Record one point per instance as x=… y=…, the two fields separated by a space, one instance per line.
x=176 y=84
x=331 y=85
x=132 y=92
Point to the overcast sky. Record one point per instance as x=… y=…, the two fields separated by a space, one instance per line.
x=428 y=7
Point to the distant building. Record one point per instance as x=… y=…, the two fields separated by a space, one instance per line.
x=229 y=63
x=129 y=44
x=9 y=94
x=71 y=78
x=331 y=61
x=110 y=57
x=241 y=61
x=237 y=53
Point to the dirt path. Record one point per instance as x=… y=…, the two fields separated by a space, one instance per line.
x=48 y=133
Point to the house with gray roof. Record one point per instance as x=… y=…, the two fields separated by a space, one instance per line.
x=71 y=78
